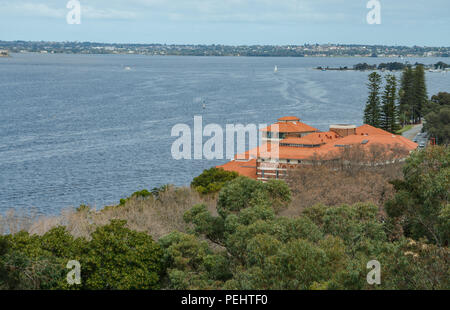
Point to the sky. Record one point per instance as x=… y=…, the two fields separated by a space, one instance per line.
x=229 y=22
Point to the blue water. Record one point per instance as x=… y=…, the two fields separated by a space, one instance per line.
x=85 y=129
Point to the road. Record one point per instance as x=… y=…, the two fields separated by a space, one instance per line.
x=412 y=133
x=415 y=134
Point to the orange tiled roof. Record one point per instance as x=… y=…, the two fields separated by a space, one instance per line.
x=286 y=152
x=370 y=130
x=290 y=127
x=315 y=138
x=247 y=169
x=328 y=149
x=253 y=153
x=387 y=140
x=289 y=118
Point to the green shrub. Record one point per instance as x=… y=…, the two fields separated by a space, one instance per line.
x=423 y=196
x=190 y=263
x=212 y=180
x=243 y=192
x=25 y=265
x=119 y=258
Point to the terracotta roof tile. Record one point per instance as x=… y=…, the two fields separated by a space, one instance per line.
x=247 y=169
x=290 y=127
x=289 y=118
x=370 y=130
x=315 y=138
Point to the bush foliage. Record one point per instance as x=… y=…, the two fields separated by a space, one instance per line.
x=212 y=180
x=245 y=242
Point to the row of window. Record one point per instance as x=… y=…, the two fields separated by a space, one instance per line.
x=271 y=135
x=277 y=174
x=289 y=161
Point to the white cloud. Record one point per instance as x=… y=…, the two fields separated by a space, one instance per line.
x=34 y=9
x=107 y=13
x=230 y=11
x=243 y=11
x=58 y=10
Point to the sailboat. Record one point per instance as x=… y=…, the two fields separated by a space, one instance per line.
x=275 y=70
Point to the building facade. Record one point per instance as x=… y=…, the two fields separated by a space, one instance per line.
x=289 y=143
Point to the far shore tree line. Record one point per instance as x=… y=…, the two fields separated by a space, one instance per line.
x=397 y=66
x=389 y=66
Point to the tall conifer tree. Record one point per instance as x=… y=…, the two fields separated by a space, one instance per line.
x=406 y=106
x=372 y=110
x=419 y=93
x=389 y=113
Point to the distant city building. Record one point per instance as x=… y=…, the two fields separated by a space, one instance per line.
x=306 y=50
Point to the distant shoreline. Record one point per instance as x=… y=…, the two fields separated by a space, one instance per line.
x=225 y=56
x=305 y=50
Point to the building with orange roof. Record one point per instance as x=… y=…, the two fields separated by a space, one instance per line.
x=366 y=130
x=294 y=143
x=289 y=126
x=244 y=168
x=311 y=140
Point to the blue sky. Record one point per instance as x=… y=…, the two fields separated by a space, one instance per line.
x=404 y=22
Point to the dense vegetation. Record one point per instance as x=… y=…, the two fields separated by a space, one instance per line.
x=212 y=180
x=407 y=105
x=397 y=66
x=248 y=239
x=390 y=66
x=115 y=257
x=413 y=95
x=381 y=109
x=421 y=204
x=438 y=118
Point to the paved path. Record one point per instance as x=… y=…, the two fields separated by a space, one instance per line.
x=412 y=133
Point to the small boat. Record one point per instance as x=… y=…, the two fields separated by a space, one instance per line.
x=275 y=70
x=127 y=68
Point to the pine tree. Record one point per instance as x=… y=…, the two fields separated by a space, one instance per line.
x=406 y=107
x=389 y=113
x=419 y=93
x=372 y=110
